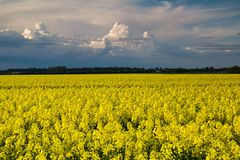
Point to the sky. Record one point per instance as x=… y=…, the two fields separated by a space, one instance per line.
x=122 y=33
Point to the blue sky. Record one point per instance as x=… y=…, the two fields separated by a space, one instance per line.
x=135 y=33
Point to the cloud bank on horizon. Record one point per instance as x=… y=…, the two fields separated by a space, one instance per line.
x=150 y=33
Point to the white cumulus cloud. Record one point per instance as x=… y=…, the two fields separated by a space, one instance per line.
x=29 y=34
x=115 y=37
x=120 y=43
x=146 y=34
x=100 y=43
x=117 y=32
x=40 y=26
x=41 y=33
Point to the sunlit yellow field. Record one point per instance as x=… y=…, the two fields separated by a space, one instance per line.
x=120 y=117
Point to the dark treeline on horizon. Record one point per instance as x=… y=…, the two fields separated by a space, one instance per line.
x=101 y=70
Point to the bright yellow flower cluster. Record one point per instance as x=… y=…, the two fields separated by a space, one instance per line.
x=120 y=117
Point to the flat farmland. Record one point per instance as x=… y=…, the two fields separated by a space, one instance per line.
x=120 y=116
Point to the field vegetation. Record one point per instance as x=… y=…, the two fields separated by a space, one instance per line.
x=129 y=116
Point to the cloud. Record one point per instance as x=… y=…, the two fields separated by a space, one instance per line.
x=41 y=27
x=151 y=3
x=216 y=31
x=100 y=44
x=118 y=37
x=146 y=34
x=38 y=46
x=227 y=50
x=39 y=31
x=151 y=33
x=9 y=1
x=10 y=33
x=167 y=19
x=118 y=42
x=214 y=49
x=11 y=38
x=40 y=35
x=29 y=34
x=117 y=32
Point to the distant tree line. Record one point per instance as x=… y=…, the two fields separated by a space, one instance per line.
x=102 y=70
